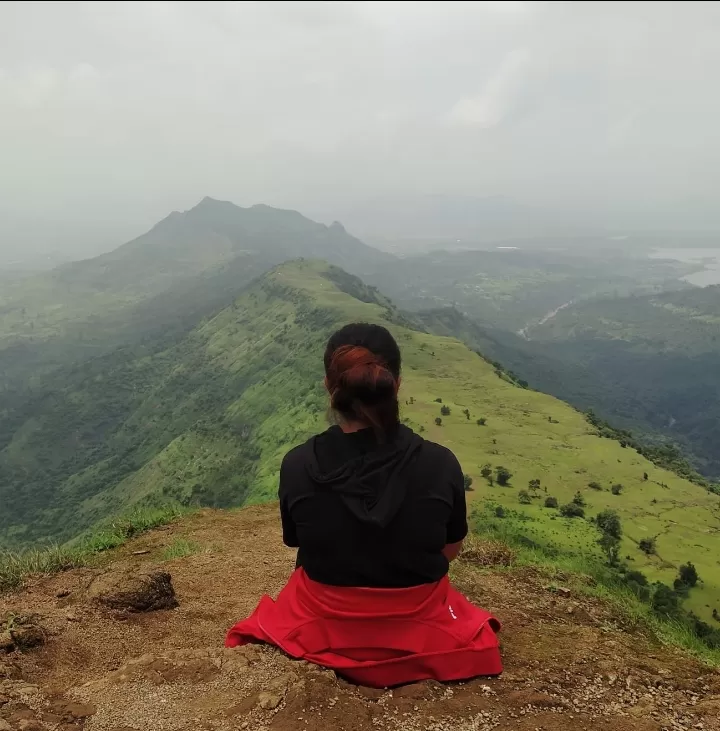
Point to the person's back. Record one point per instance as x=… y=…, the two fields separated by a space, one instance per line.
x=377 y=513
x=373 y=514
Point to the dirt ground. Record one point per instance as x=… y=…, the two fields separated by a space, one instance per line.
x=570 y=664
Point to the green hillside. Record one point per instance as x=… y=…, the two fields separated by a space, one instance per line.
x=207 y=418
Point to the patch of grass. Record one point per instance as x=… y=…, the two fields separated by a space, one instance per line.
x=586 y=572
x=180 y=548
x=15 y=567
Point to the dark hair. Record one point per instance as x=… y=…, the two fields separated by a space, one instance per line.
x=362 y=365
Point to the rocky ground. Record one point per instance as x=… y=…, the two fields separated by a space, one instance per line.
x=136 y=644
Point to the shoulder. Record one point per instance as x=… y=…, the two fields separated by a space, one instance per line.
x=439 y=456
x=298 y=454
x=303 y=453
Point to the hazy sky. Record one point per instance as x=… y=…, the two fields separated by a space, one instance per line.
x=111 y=115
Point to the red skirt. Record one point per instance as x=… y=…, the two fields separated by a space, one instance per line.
x=377 y=637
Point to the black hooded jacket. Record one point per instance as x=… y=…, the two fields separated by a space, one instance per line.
x=368 y=514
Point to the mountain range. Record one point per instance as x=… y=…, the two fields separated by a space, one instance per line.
x=179 y=368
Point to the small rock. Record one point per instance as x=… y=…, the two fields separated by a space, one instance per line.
x=62 y=593
x=134 y=592
x=29 y=724
x=564 y=591
x=27 y=636
x=7 y=644
x=415 y=691
x=269 y=701
x=80 y=710
x=571 y=610
x=373 y=694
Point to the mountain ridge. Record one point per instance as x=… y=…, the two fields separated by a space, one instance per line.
x=206 y=419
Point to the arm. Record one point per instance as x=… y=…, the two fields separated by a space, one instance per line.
x=289 y=529
x=457 y=527
x=452 y=550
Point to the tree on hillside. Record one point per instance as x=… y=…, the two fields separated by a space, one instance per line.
x=578 y=499
x=524 y=497
x=445 y=410
x=486 y=472
x=481 y=421
x=572 y=510
x=611 y=548
x=594 y=485
x=502 y=475
x=467 y=481
x=648 y=545
x=688 y=574
x=467 y=413
x=665 y=601
x=608 y=521
x=438 y=421
x=551 y=502
x=645 y=476
x=616 y=489
x=534 y=485
x=438 y=400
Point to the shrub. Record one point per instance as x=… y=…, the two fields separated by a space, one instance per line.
x=616 y=489
x=499 y=511
x=438 y=400
x=481 y=421
x=637 y=583
x=467 y=481
x=594 y=485
x=578 y=499
x=688 y=574
x=608 y=521
x=445 y=410
x=534 y=485
x=572 y=510
x=524 y=497
x=647 y=545
x=502 y=475
x=665 y=600
x=486 y=471
x=467 y=413
x=551 y=502
x=438 y=421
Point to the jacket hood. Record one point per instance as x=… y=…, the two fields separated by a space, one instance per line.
x=372 y=485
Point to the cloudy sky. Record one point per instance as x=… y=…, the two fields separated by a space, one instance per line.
x=114 y=114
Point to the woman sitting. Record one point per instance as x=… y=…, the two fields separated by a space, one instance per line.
x=377 y=514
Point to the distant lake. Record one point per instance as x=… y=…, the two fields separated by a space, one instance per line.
x=709 y=258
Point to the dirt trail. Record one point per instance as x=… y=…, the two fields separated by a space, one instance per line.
x=570 y=663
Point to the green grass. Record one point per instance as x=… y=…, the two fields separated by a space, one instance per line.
x=15 y=567
x=180 y=548
x=586 y=572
